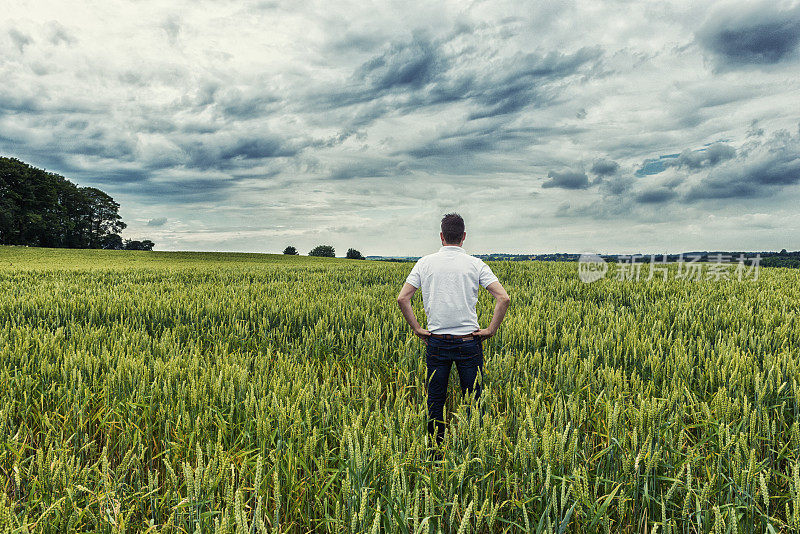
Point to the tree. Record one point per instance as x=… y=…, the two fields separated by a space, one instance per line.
x=353 y=254
x=325 y=251
x=112 y=242
x=43 y=209
x=104 y=218
x=139 y=245
x=290 y=251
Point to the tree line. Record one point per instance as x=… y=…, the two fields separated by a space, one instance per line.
x=325 y=251
x=44 y=209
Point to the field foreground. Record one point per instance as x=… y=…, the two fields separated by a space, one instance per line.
x=180 y=392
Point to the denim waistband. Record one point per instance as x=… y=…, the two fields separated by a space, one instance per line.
x=453 y=337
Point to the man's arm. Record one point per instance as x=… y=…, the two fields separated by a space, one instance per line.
x=502 y=300
x=404 y=301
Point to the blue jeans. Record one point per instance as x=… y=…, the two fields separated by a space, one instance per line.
x=439 y=357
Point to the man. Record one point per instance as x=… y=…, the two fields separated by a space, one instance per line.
x=450 y=281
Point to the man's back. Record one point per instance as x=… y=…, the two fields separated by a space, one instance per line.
x=449 y=280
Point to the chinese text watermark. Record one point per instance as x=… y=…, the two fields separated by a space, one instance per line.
x=592 y=267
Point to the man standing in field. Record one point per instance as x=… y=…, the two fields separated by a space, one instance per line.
x=450 y=279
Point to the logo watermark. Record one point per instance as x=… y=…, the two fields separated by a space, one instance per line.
x=592 y=267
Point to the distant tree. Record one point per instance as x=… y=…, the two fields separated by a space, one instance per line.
x=325 y=251
x=781 y=261
x=353 y=254
x=290 y=251
x=112 y=242
x=139 y=245
x=783 y=251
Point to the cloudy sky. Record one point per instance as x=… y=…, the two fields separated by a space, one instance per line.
x=573 y=126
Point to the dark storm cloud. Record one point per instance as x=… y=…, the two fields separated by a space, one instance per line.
x=358 y=41
x=568 y=179
x=469 y=142
x=404 y=65
x=605 y=167
x=45 y=103
x=233 y=103
x=411 y=74
x=18 y=103
x=705 y=157
x=400 y=70
x=161 y=125
x=43 y=158
x=76 y=124
x=159 y=221
x=257 y=148
x=219 y=153
x=424 y=68
x=226 y=102
x=122 y=177
x=369 y=169
x=751 y=33
x=760 y=177
x=474 y=150
x=655 y=195
x=100 y=146
x=616 y=185
x=525 y=80
x=191 y=191
x=759 y=169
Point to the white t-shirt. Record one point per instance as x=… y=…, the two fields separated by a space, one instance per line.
x=449 y=280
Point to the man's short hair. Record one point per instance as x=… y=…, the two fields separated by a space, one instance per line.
x=452 y=228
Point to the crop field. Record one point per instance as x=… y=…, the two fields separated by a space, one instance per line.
x=239 y=393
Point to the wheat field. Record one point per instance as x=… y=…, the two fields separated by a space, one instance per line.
x=239 y=393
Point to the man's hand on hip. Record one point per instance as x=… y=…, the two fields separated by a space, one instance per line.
x=483 y=333
x=423 y=334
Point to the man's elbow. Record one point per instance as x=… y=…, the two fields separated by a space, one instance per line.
x=505 y=300
x=402 y=300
